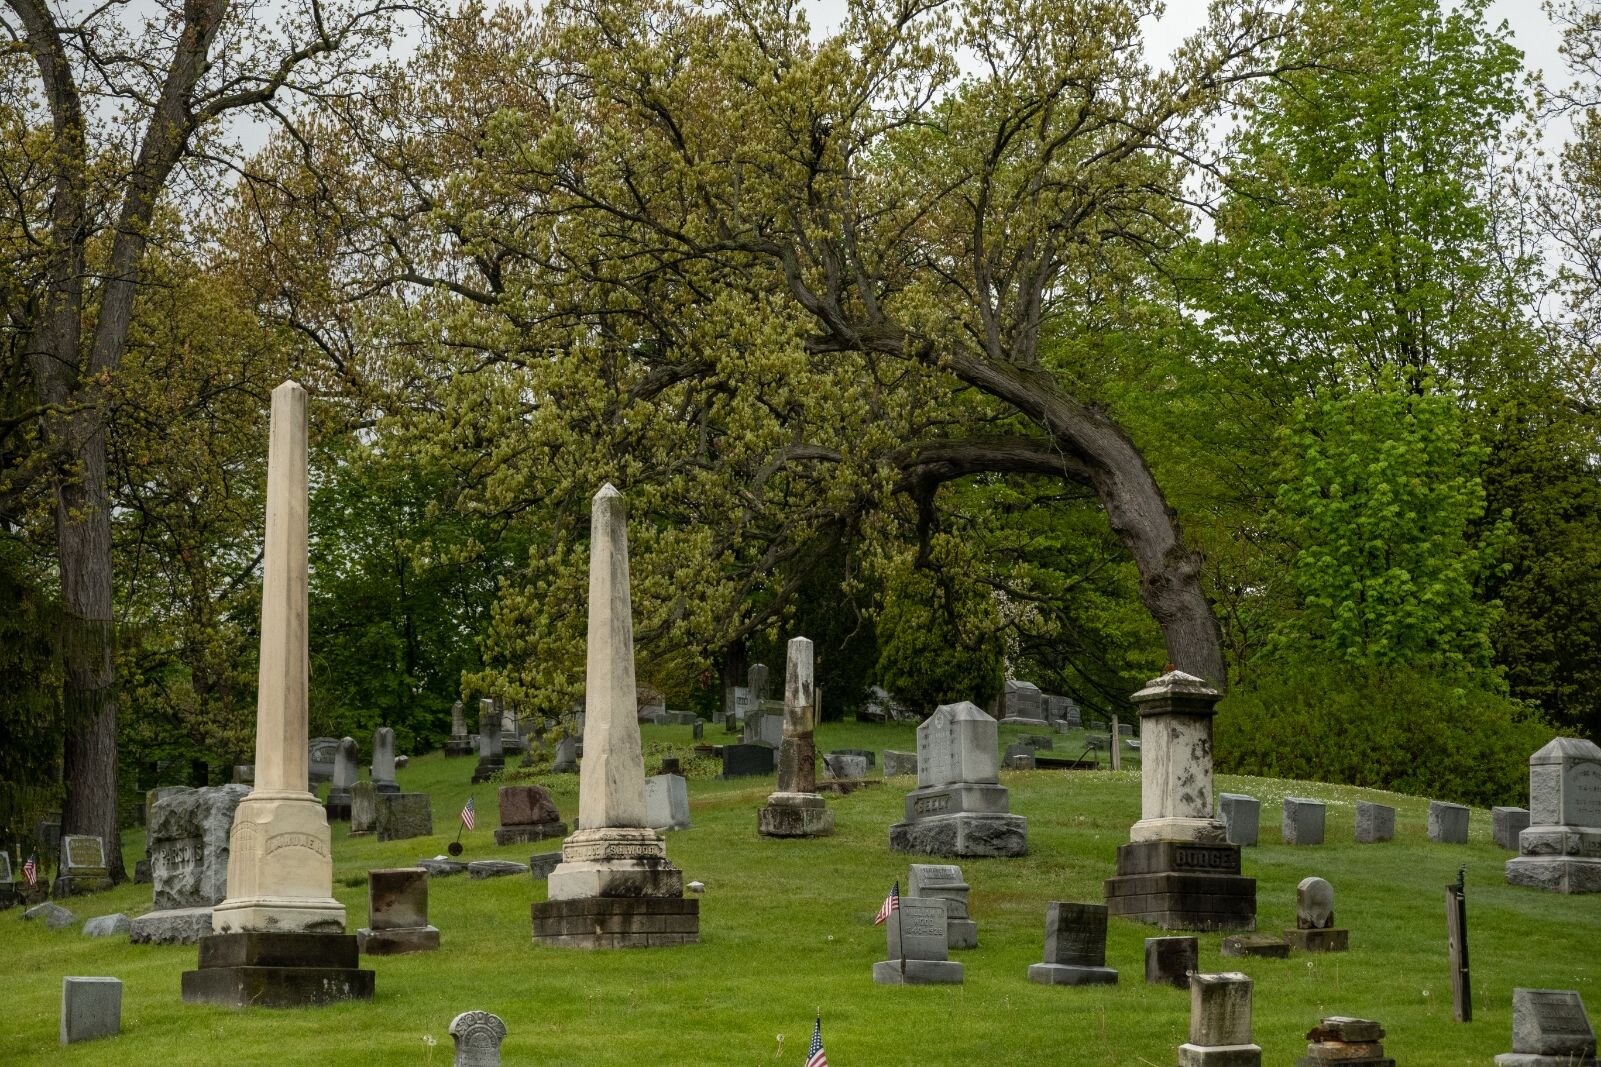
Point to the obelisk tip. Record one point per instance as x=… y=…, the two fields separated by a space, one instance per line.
x=606 y=491
x=289 y=385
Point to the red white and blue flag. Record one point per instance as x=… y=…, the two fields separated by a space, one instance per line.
x=891 y=903
x=467 y=814
x=30 y=871
x=815 y=1056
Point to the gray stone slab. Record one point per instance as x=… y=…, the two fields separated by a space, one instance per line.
x=90 y=1008
x=117 y=925
x=1220 y=1009
x=958 y=743
x=1551 y=1022
x=1170 y=960
x=54 y=915
x=1241 y=816
x=897 y=764
x=971 y=835
x=1448 y=823
x=1303 y=821
x=480 y=869
x=1375 y=823
x=916 y=930
x=404 y=815
x=397 y=898
x=176 y=926
x=439 y=867
x=839 y=765
x=1506 y=824
x=1070 y=974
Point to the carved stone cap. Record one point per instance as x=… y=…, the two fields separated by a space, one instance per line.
x=1176 y=691
x=1566 y=749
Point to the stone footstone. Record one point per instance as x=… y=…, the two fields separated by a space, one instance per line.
x=54 y=915
x=1375 y=823
x=117 y=925
x=1238 y=946
x=1506 y=824
x=1303 y=821
x=90 y=1008
x=1347 y=1042
x=617 y=922
x=439 y=867
x=897 y=764
x=397 y=942
x=1448 y=823
x=277 y=970
x=1170 y=960
x=1241 y=816
x=481 y=869
x=174 y=926
x=1337 y=940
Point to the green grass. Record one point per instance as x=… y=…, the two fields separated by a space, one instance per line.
x=786 y=929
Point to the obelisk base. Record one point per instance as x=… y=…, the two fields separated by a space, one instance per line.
x=615 y=889
x=1182 y=885
x=277 y=970
x=280 y=870
x=794 y=815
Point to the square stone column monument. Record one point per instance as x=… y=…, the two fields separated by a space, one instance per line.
x=278 y=939
x=796 y=809
x=1561 y=848
x=614 y=887
x=1179 y=870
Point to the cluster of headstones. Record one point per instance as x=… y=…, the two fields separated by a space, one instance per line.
x=1023 y=704
x=1304 y=819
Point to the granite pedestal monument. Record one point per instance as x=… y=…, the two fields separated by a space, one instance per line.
x=1561 y=849
x=959 y=807
x=279 y=937
x=1179 y=870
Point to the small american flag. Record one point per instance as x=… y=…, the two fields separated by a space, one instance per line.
x=891 y=903
x=30 y=871
x=467 y=814
x=815 y=1056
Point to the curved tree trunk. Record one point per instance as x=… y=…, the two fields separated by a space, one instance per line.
x=1092 y=443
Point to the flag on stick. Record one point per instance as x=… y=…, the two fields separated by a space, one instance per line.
x=30 y=870
x=467 y=814
x=815 y=1056
x=891 y=903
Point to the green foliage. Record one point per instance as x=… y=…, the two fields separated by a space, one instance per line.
x=30 y=694
x=1379 y=496
x=1428 y=733
x=939 y=635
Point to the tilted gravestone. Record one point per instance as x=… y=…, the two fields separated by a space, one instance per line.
x=478 y=1035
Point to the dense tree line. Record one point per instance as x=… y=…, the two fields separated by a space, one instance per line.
x=960 y=337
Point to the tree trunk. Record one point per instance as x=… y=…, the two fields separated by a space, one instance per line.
x=1170 y=573
x=83 y=534
x=732 y=671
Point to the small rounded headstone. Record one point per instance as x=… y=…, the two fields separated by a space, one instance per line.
x=1314 y=904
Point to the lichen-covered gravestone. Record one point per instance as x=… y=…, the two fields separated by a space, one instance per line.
x=1220 y=1023
x=189 y=851
x=478 y=1035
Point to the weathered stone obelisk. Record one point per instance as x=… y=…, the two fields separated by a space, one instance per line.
x=279 y=937
x=796 y=809
x=614 y=887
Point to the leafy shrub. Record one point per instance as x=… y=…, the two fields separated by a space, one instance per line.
x=1409 y=730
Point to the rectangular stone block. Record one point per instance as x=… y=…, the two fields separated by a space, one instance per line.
x=1241 y=816
x=1374 y=823
x=1506 y=824
x=1448 y=823
x=1565 y=784
x=1551 y=1022
x=404 y=815
x=90 y=1008
x=958 y=743
x=397 y=898
x=1169 y=960
x=916 y=930
x=956 y=798
x=1075 y=934
x=667 y=802
x=616 y=922
x=1303 y=821
x=1220 y=1009
x=748 y=760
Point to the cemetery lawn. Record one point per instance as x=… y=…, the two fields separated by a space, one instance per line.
x=786 y=931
